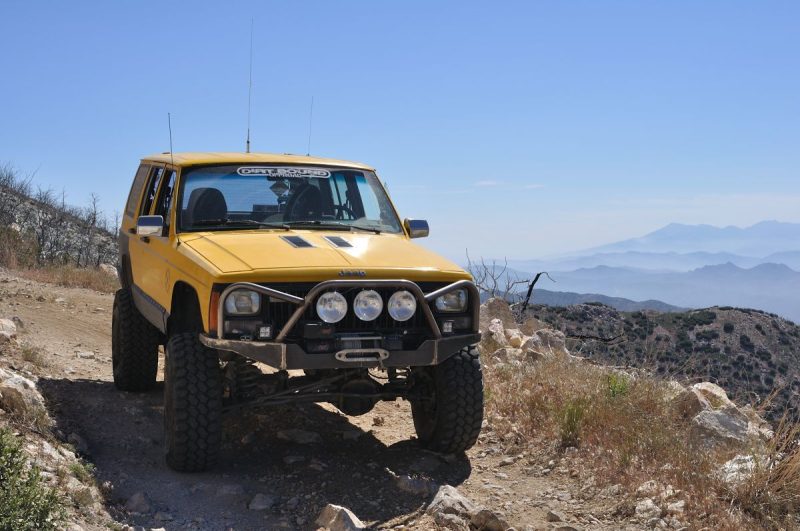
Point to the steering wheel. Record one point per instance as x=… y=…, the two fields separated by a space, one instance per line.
x=341 y=210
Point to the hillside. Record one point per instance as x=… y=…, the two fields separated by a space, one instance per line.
x=566 y=298
x=748 y=352
x=40 y=228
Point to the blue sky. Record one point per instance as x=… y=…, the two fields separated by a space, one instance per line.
x=521 y=129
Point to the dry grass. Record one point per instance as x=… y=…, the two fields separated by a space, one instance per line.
x=772 y=493
x=627 y=432
x=73 y=277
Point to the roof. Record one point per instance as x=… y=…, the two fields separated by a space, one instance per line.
x=194 y=159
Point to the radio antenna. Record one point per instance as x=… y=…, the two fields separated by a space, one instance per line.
x=310 y=119
x=249 y=88
x=169 y=124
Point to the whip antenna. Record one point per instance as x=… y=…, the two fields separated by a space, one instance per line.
x=249 y=88
x=310 y=119
x=169 y=124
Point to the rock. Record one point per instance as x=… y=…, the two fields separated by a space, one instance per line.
x=496 y=308
x=507 y=354
x=108 y=268
x=552 y=341
x=138 y=503
x=86 y=355
x=60 y=300
x=293 y=503
x=531 y=325
x=19 y=396
x=676 y=508
x=449 y=501
x=418 y=486
x=713 y=394
x=494 y=337
x=555 y=516
x=738 y=469
x=515 y=337
x=261 y=502
x=5 y=337
x=718 y=426
x=648 y=489
x=299 y=436
x=338 y=518
x=8 y=326
x=646 y=509
x=488 y=520
x=17 y=321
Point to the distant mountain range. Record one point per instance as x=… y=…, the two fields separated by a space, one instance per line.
x=688 y=266
x=562 y=298
x=761 y=239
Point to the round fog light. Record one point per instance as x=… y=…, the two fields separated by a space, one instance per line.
x=402 y=305
x=368 y=305
x=331 y=307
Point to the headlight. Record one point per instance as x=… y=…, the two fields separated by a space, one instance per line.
x=368 y=305
x=242 y=302
x=455 y=301
x=402 y=305
x=331 y=307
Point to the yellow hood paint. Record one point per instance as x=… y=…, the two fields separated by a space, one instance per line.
x=264 y=251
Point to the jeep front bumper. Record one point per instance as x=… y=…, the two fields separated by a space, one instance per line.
x=287 y=356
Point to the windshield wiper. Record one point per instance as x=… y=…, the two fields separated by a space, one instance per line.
x=240 y=222
x=335 y=225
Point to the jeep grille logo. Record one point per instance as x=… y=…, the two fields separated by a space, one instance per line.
x=352 y=273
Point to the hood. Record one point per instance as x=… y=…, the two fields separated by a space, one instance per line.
x=258 y=250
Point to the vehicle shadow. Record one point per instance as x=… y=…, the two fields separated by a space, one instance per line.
x=345 y=466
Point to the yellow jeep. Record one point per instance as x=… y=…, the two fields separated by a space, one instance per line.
x=236 y=261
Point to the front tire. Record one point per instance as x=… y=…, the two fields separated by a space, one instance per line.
x=192 y=404
x=134 y=346
x=451 y=422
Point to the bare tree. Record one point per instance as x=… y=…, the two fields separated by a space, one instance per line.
x=495 y=280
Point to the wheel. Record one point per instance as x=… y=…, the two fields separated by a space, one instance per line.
x=451 y=422
x=192 y=404
x=134 y=345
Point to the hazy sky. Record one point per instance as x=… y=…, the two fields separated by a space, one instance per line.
x=516 y=128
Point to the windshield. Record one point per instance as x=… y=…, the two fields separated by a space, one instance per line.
x=225 y=197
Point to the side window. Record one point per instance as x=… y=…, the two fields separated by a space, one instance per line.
x=152 y=189
x=165 y=199
x=136 y=190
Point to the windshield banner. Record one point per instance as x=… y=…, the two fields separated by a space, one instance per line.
x=285 y=172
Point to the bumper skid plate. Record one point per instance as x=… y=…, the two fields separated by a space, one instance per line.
x=288 y=356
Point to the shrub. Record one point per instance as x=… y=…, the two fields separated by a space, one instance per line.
x=618 y=385
x=728 y=328
x=25 y=502
x=746 y=343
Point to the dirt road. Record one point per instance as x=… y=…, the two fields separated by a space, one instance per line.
x=351 y=461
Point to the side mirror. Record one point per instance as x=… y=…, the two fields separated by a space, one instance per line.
x=150 y=226
x=416 y=228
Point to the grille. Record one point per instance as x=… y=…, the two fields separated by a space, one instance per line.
x=279 y=312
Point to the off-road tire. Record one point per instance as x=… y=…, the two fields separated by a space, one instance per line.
x=192 y=404
x=451 y=423
x=134 y=345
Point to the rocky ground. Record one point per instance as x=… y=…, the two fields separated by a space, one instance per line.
x=281 y=467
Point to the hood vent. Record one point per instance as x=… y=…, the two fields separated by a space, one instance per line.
x=296 y=241
x=338 y=241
